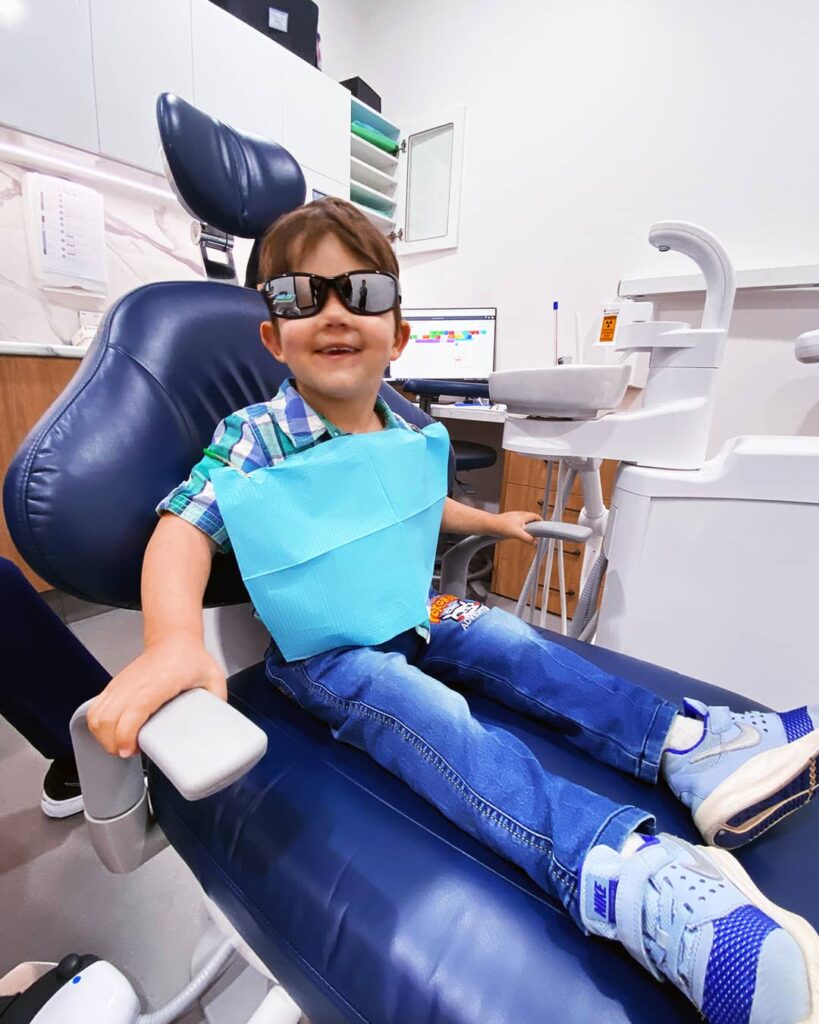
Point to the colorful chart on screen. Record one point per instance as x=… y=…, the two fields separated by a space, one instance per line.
x=450 y=344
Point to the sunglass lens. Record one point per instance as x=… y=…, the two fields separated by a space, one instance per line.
x=291 y=296
x=371 y=293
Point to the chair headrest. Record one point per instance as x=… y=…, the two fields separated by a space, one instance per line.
x=169 y=361
x=236 y=182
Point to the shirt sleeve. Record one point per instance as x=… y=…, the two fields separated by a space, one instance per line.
x=234 y=443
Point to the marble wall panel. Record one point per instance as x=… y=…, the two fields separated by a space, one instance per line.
x=147 y=237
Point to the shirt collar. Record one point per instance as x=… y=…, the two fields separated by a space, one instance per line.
x=303 y=425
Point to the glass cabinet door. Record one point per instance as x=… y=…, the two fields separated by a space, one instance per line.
x=430 y=184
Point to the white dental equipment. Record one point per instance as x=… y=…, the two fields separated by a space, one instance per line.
x=693 y=546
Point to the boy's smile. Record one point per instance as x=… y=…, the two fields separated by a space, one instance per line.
x=337 y=357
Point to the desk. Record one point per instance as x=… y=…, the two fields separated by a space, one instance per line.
x=477 y=413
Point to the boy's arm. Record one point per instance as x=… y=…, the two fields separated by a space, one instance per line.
x=174 y=575
x=460 y=518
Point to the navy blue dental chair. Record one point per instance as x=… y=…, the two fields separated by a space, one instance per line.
x=364 y=901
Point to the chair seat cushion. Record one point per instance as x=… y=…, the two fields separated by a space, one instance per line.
x=368 y=905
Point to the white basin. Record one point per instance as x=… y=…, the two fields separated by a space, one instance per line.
x=568 y=392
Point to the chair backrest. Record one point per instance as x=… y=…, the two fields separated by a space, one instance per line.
x=169 y=361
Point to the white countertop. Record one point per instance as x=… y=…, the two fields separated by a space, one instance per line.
x=42 y=348
x=487 y=413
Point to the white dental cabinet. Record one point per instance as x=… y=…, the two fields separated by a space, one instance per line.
x=87 y=73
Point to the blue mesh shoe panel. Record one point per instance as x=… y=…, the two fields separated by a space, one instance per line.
x=730 y=980
x=797 y=723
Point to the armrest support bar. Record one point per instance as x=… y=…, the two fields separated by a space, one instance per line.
x=455 y=563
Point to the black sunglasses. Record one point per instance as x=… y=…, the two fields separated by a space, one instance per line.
x=364 y=292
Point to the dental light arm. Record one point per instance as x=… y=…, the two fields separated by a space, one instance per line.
x=199 y=742
x=701 y=246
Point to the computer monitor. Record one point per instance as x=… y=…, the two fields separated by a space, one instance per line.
x=448 y=344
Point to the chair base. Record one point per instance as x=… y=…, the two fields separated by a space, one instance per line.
x=242 y=993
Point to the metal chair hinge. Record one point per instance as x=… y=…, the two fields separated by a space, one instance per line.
x=210 y=238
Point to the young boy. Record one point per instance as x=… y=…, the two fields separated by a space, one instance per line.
x=689 y=914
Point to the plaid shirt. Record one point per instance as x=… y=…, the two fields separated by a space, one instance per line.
x=253 y=438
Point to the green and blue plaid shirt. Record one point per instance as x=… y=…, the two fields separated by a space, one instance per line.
x=253 y=438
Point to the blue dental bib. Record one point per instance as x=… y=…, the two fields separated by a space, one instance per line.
x=336 y=544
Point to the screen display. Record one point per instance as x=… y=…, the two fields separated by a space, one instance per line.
x=450 y=344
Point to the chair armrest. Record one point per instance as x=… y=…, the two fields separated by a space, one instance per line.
x=455 y=563
x=199 y=742
x=559 y=531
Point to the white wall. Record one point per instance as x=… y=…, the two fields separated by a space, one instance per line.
x=345 y=30
x=588 y=121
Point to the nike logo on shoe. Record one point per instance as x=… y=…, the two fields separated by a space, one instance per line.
x=701 y=864
x=604 y=896
x=748 y=737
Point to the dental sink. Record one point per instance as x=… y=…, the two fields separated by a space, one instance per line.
x=569 y=392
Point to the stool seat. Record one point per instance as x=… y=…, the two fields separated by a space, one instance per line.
x=471 y=455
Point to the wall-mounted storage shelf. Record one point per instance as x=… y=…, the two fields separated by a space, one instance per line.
x=381 y=220
x=768 y=277
x=364 y=174
x=366 y=196
x=372 y=155
x=366 y=115
x=373 y=171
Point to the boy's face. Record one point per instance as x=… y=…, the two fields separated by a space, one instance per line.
x=303 y=344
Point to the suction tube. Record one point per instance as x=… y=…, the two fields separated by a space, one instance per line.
x=701 y=246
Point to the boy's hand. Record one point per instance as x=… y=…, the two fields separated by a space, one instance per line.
x=175 y=663
x=511 y=524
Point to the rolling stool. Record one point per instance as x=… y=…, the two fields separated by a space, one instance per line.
x=469 y=455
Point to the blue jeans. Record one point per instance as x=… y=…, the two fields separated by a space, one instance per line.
x=390 y=701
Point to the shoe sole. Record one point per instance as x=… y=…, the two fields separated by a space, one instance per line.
x=760 y=793
x=61 y=808
x=797 y=927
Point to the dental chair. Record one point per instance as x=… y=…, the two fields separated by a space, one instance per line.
x=362 y=900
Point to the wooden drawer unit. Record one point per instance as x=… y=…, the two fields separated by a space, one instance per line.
x=28 y=386
x=524 y=480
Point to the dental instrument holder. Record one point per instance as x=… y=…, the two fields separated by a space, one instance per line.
x=671 y=429
x=179 y=739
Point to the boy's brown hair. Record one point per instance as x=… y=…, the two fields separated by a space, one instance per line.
x=292 y=236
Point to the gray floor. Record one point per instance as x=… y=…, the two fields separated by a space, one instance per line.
x=55 y=897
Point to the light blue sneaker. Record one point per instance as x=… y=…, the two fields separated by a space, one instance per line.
x=748 y=772
x=692 y=915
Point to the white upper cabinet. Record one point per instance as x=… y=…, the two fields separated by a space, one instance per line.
x=88 y=72
x=316 y=126
x=140 y=50
x=46 y=77
x=238 y=73
x=254 y=84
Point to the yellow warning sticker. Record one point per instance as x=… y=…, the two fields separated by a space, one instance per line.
x=608 y=328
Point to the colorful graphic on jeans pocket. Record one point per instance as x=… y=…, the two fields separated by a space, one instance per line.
x=449 y=608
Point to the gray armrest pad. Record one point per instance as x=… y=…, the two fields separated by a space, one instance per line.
x=560 y=531
x=201 y=743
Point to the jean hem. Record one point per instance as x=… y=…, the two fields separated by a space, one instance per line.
x=648 y=768
x=614 y=831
